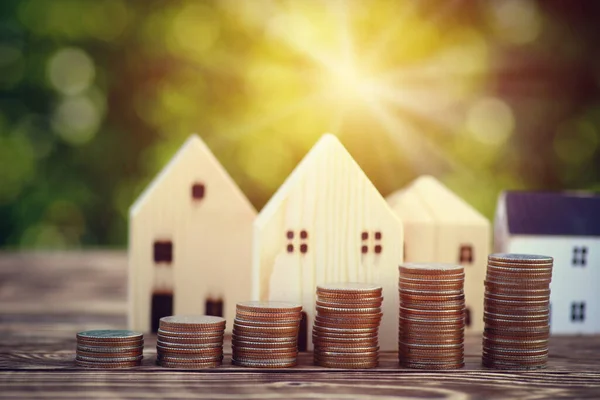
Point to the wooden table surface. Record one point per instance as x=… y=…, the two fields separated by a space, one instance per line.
x=45 y=298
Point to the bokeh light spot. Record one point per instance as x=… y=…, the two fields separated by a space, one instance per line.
x=515 y=21
x=576 y=142
x=490 y=121
x=195 y=29
x=76 y=120
x=71 y=70
x=43 y=236
x=17 y=166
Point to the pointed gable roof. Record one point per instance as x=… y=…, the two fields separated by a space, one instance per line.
x=320 y=153
x=194 y=147
x=443 y=204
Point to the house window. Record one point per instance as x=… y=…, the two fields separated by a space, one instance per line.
x=163 y=251
x=198 y=191
x=297 y=240
x=468 y=316
x=580 y=256
x=465 y=256
x=578 y=311
x=375 y=242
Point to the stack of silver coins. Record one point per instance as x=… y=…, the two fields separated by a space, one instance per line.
x=265 y=334
x=432 y=316
x=190 y=342
x=346 y=327
x=517 y=313
x=109 y=349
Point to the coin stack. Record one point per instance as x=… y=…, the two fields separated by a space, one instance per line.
x=265 y=334
x=517 y=314
x=109 y=349
x=190 y=342
x=432 y=316
x=345 y=330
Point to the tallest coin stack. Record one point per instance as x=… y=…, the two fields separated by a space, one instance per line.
x=517 y=313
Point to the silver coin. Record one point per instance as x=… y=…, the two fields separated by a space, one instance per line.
x=520 y=258
x=431 y=292
x=269 y=306
x=108 y=359
x=350 y=287
x=190 y=334
x=110 y=334
x=104 y=349
x=189 y=365
x=172 y=345
x=284 y=363
x=193 y=320
x=344 y=330
x=257 y=338
x=264 y=345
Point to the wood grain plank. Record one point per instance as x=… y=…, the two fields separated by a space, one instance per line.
x=45 y=298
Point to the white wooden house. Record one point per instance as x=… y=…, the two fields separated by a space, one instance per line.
x=565 y=226
x=190 y=241
x=327 y=223
x=439 y=226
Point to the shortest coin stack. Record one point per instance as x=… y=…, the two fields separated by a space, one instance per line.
x=109 y=349
x=190 y=342
x=346 y=328
x=432 y=316
x=265 y=334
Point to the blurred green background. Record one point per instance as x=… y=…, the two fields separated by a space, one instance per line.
x=96 y=96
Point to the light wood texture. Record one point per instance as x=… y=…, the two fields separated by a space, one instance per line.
x=571 y=284
x=436 y=224
x=46 y=298
x=212 y=238
x=330 y=198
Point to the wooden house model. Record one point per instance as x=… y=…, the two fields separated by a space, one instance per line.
x=327 y=223
x=565 y=226
x=190 y=241
x=439 y=226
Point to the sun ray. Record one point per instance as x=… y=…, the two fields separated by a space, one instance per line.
x=418 y=149
x=237 y=133
x=434 y=104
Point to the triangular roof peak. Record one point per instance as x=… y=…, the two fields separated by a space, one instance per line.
x=444 y=204
x=193 y=147
x=326 y=145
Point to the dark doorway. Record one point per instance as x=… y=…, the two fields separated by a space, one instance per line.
x=162 y=306
x=303 y=333
x=214 y=306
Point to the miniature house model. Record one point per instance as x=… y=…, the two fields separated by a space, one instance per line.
x=565 y=226
x=441 y=227
x=190 y=241
x=327 y=223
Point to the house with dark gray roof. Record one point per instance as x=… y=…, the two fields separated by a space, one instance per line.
x=565 y=226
